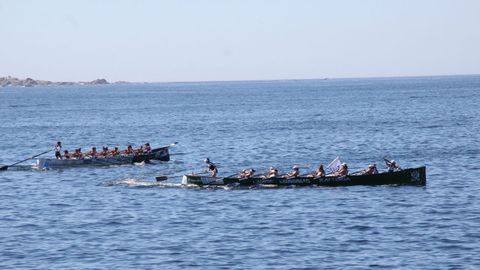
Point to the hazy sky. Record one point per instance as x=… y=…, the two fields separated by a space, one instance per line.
x=237 y=40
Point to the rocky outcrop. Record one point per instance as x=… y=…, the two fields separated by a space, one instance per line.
x=98 y=81
x=29 y=82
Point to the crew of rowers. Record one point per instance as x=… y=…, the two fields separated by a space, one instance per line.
x=319 y=172
x=105 y=152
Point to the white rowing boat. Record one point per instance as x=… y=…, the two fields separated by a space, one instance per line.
x=161 y=154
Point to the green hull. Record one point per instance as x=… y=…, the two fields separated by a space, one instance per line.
x=413 y=176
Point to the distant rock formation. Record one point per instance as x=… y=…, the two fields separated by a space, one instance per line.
x=98 y=81
x=29 y=82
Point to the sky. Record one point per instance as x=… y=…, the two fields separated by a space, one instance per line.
x=165 y=41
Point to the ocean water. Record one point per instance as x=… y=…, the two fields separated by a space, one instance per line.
x=119 y=218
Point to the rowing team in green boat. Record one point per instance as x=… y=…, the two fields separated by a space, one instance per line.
x=105 y=152
x=319 y=172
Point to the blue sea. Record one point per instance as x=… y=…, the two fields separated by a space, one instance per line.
x=118 y=217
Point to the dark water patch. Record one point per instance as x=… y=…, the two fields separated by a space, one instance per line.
x=422 y=97
x=60 y=205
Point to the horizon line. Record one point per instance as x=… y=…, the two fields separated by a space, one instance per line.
x=314 y=79
x=262 y=80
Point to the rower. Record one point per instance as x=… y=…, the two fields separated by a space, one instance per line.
x=211 y=167
x=58 y=149
x=272 y=172
x=248 y=173
x=92 y=153
x=104 y=151
x=295 y=172
x=78 y=153
x=75 y=154
x=320 y=172
x=375 y=171
x=115 y=152
x=392 y=166
x=372 y=169
x=129 y=150
x=66 y=155
x=147 y=148
x=342 y=171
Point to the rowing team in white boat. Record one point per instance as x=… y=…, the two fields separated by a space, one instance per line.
x=319 y=172
x=105 y=152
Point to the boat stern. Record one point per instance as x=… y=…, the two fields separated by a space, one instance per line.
x=161 y=154
x=42 y=163
x=419 y=176
x=185 y=180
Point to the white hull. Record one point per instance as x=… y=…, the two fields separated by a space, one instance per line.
x=206 y=180
x=160 y=153
x=45 y=163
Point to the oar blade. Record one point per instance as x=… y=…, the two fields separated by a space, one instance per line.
x=161 y=178
x=4 y=168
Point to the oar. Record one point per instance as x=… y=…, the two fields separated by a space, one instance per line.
x=357 y=172
x=168 y=145
x=4 y=168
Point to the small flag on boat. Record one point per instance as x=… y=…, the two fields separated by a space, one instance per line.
x=334 y=165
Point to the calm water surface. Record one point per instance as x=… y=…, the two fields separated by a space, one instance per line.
x=117 y=217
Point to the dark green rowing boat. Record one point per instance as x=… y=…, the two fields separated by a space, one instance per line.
x=412 y=176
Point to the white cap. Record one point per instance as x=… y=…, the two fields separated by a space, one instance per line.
x=295 y=167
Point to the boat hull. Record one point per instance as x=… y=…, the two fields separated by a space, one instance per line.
x=413 y=176
x=161 y=154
